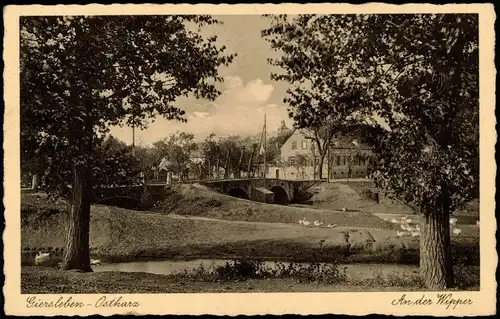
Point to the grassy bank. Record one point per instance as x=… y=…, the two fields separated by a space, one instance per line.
x=355 y=196
x=47 y=280
x=123 y=235
x=233 y=277
x=197 y=200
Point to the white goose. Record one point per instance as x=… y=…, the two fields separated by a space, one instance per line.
x=406 y=227
x=306 y=223
x=95 y=262
x=394 y=221
x=402 y=233
x=317 y=223
x=331 y=225
x=457 y=231
x=453 y=221
x=42 y=258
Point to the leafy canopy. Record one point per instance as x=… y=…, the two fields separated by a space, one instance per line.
x=81 y=75
x=415 y=76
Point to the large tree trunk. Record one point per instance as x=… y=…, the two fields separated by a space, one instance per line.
x=436 y=265
x=76 y=254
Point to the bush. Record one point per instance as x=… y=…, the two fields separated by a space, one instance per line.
x=243 y=269
x=465 y=275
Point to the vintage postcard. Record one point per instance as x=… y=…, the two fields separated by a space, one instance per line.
x=250 y=159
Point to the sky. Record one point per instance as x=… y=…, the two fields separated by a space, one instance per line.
x=247 y=91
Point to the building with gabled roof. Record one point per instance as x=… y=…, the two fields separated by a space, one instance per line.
x=346 y=158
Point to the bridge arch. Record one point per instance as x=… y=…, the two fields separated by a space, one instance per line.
x=280 y=195
x=238 y=192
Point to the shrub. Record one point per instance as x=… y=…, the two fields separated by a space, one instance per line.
x=465 y=275
x=244 y=268
x=241 y=269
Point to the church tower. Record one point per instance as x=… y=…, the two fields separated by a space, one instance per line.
x=283 y=130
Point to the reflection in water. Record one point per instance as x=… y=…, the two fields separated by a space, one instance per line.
x=167 y=267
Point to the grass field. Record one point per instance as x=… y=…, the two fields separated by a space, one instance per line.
x=195 y=200
x=354 y=196
x=244 y=228
x=195 y=222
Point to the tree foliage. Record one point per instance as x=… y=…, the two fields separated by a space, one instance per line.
x=416 y=76
x=115 y=164
x=231 y=153
x=320 y=99
x=177 y=150
x=82 y=74
x=100 y=71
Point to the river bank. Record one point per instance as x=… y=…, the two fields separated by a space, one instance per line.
x=40 y=280
x=119 y=235
x=231 y=230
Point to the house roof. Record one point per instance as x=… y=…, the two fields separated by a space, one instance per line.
x=337 y=143
x=292 y=132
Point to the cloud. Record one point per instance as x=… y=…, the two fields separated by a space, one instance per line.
x=239 y=110
x=200 y=114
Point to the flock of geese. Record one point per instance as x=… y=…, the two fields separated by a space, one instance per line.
x=408 y=230
x=316 y=223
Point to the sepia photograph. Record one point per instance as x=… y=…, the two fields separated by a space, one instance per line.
x=250 y=153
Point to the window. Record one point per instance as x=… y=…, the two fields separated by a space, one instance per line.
x=304 y=145
x=308 y=161
x=338 y=160
x=294 y=145
x=344 y=160
x=291 y=159
x=362 y=160
x=316 y=160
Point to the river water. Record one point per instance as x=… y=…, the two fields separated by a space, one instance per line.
x=168 y=267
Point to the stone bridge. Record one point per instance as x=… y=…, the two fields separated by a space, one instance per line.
x=277 y=191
